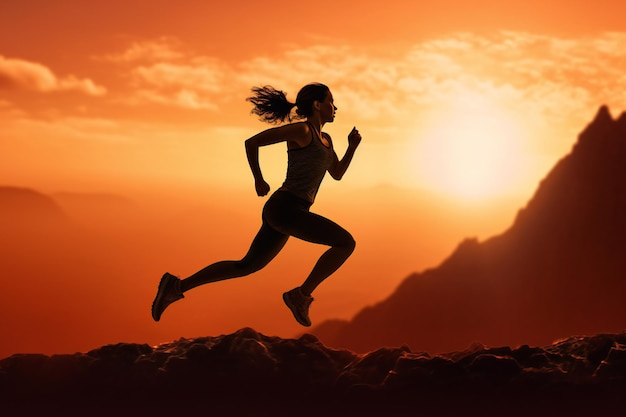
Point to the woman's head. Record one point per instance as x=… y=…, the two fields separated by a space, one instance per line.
x=272 y=106
x=308 y=95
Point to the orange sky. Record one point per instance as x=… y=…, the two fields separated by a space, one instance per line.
x=471 y=101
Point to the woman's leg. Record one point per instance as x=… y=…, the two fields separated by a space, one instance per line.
x=314 y=228
x=317 y=229
x=324 y=231
x=265 y=246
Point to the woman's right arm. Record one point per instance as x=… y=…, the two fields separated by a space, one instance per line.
x=252 y=152
x=292 y=132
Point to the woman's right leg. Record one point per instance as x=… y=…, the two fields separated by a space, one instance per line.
x=265 y=246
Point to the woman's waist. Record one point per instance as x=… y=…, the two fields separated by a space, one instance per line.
x=292 y=196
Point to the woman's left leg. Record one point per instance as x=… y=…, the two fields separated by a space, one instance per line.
x=314 y=228
x=265 y=246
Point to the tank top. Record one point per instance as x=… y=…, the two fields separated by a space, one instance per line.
x=306 y=168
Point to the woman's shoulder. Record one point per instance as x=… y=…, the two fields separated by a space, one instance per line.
x=293 y=131
x=299 y=134
x=296 y=128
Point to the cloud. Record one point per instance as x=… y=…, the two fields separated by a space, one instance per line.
x=163 y=72
x=164 y=48
x=189 y=86
x=513 y=69
x=86 y=129
x=205 y=77
x=8 y=111
x=26 y=75
x=540 y=74
x=183 y=98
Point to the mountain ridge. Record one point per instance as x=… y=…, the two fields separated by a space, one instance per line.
x=557 y=270
x=18 y=204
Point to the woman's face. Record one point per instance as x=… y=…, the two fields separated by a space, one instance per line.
x=327 y=109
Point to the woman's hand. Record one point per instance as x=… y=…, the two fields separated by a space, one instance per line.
x=262 y=187
x=354 y=138
x=339 y=167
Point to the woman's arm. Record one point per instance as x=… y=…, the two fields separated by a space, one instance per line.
x=339 y=167
x=291 y=133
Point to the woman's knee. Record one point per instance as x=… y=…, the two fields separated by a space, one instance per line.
x=248 y=266
x=348 y=242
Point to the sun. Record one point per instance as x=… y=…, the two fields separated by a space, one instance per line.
x=472 y=151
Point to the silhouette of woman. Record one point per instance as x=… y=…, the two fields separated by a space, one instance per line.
x=286 y=213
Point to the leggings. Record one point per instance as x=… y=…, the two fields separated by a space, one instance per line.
x=284 y=215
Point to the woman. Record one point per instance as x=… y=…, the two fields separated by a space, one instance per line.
x=286 y=213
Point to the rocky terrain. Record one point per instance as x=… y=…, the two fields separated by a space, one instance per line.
x=250 y=374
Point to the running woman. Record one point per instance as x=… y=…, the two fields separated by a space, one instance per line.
x=286 y=213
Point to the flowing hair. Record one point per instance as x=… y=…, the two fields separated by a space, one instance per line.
x=272 y=105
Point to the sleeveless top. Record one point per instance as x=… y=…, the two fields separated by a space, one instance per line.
x=306 y=168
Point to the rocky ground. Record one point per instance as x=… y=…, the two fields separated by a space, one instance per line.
x=250 y=374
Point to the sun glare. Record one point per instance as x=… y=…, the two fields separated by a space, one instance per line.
x=471 y=152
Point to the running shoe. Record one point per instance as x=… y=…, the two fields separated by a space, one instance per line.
x=299 y=305
x=168 y=292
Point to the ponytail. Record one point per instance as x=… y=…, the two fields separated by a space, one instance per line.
x=270 y=105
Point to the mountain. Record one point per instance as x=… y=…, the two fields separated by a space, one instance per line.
x=98 y=211
x=559 y=270
x=249 y=374
x=27 y=209
x=79 y=203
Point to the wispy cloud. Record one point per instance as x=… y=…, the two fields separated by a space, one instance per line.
x=162 y=71
x=183 y=85
x=21 y=74
x=8 y=111
x=184 y=98
x=536 y=74
x=164 y=48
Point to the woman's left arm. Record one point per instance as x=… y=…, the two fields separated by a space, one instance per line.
x=339 y=167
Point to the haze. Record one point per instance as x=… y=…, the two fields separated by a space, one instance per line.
x=463 y=109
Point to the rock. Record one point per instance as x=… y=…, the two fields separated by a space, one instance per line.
x=248 y=373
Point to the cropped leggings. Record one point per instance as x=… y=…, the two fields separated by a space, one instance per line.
x=284 y=215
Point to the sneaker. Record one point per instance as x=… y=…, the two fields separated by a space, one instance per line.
x=299 y=305
x=168 y=292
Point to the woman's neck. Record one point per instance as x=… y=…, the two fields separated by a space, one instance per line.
x=316 y=122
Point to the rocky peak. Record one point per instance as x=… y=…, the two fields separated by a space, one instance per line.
x=603 y=134
x=589 y=184
x=560 y=269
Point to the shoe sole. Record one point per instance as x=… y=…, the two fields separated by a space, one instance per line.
x=294 y=311
x=165 y=280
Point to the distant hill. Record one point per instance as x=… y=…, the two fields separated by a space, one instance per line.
x=28 y=210
x=24 y=208
x=97 y=210
x=82 y=201
x=559 y=270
